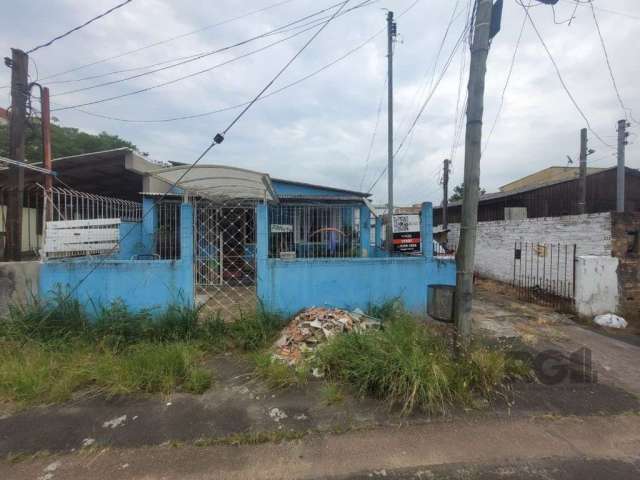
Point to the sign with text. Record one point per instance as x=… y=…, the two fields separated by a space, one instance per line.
x=406 y=233
x=280 y=228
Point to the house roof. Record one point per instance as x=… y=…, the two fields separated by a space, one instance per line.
x=487 y=197
x=322 y=187
x=546 y=175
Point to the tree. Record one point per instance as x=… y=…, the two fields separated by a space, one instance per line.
x=65 y=141
x=458 y=193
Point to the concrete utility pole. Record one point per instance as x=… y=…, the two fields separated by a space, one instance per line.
x=445 y=193
x=19 y=64
x=582 y=184
x=465 y=255
x=391 y=33
x=45 y=118
x=622 y=141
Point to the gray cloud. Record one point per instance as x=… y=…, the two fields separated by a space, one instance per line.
x=320 y=130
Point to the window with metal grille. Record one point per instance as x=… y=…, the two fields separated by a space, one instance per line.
x=314 y=231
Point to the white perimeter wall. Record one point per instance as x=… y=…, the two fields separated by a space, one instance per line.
x=496 y=240
x=596 y=285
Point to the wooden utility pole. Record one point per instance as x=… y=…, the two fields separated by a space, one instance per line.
x=582 y=184
x=45 y=120
x=622 y=141
x=465 y=255
x=445 y=194
x=391 y=33
x=19 y=64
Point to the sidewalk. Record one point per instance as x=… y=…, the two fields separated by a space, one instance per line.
x=364 y=454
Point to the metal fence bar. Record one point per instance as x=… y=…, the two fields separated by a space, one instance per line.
x=314 y=231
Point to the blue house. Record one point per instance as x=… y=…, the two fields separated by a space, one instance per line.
x=225 y=239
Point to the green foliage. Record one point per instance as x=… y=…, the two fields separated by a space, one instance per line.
x=332 y=394
x=278 y=374
x=65 y=142
x=409 y=366
x=253 y=331
x=34 y=372
x=458 y=193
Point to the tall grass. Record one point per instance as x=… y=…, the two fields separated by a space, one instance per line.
x=413 y=368
x=51 y=348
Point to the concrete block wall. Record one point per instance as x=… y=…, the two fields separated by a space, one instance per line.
x=626 y=248
x=496 y=240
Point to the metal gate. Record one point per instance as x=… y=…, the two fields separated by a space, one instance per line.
x=225 y=256
x=545 y=273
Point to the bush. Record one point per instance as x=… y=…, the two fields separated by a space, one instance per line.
x=413 y=368
x=253 y=331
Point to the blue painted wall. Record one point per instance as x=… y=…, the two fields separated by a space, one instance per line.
x=287 y=286
x=141 y=284
x=293 y=189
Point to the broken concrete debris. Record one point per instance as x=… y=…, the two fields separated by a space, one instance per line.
x=316 y=325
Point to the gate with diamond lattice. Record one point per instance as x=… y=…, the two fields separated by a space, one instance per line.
x=225 y=256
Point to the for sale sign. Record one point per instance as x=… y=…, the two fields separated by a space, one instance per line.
x=406 y=233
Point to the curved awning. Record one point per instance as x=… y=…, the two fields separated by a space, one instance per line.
x=218 y=182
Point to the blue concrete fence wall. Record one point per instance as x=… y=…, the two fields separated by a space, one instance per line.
x=141 y=284
x=287 y=286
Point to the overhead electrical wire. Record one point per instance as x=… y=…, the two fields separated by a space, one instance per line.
x=166 y=40
x=506 y=83
x=373 y=135
x=424 y=104
x=608 y=62
x=239 y=105
x=607 y=10
x=190 y=59
x=559 y=75
x=220 y=136
x=236 y=106
x=75 y=29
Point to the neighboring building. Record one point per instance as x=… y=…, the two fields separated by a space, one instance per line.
x=4 y=116
x=553 y=199
x=546 y=176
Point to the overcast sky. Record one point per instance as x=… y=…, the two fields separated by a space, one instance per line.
x=320 y=130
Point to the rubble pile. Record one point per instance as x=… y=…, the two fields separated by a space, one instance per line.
x=316 y=325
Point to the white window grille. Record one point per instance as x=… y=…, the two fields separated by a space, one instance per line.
x=69 y=238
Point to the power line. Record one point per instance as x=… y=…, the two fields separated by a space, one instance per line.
x=239 y=105
x=233 y=107
x=424 y=105
x=373 y=136
x=220 y=136
x=606 y=57
x=198 y=56
x=75 y=29
x=559 y=75
x=178 y=79
x=607 y=10
x=506 y=83
x=166 y=40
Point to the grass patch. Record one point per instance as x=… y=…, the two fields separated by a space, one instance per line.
x=252 y=438
x=332 y=394
x=278 y=374
x=34 y=373
x=413 y=368
x=254 y=331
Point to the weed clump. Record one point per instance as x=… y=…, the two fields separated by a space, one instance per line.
x=413 y=368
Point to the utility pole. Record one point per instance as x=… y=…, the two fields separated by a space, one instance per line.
x=19 y=64
x=445 y=194
x=622 y=141
x=391 y=33
x=45 y=119
x=465 y=256
x=582 y=184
